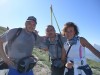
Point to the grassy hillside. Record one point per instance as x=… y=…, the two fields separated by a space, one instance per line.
x=95 y=67
x=2 y=29
x=43 y=56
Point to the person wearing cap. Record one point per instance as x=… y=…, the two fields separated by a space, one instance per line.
x=21 y=47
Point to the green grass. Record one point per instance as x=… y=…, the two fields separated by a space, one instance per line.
x=2 y=29
x=93 y=64
x=43 y=56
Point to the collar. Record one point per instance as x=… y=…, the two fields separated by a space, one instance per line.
x=73 y=40
x=56 y=38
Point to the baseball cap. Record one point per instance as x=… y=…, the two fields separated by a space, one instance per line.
x=32 y=18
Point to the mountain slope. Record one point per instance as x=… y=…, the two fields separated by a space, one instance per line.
x=90 y=55
x=2 y=29
x=43 y=56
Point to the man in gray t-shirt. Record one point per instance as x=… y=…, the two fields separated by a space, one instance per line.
x=22 y=46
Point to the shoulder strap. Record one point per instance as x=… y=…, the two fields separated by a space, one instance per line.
x=35 y=36
x=13 y=39
x=59 y=41
x=68 y=50
x=16 y=34
x=47 y=42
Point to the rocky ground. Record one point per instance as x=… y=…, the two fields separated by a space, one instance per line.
x=39 y=69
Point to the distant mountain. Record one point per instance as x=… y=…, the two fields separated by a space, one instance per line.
x=90 y=55
x=97 y=46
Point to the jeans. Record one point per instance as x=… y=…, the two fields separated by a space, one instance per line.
x=15 y=72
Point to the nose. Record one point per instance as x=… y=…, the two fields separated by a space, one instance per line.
x=33 y=23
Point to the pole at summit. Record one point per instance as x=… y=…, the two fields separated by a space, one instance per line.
x=52 y=14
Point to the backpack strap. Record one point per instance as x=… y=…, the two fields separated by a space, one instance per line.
x=48 y=45
x=16 y=35
x=35 y=35
x=59 y=41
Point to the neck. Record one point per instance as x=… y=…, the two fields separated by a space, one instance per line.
x=52 y=38
x=27 y=30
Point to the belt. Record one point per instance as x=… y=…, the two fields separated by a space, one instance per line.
x=56 y=59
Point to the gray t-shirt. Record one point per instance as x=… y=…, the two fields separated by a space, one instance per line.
x=55 y=49
x=22 y=46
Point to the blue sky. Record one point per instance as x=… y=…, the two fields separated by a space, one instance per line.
x=84 y=13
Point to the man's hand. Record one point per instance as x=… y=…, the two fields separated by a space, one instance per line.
x=9 y=62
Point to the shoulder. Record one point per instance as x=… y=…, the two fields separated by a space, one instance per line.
x=83 y=41
x=14 y=29
x=82 y=38
x=61 y=36
x=8 y=32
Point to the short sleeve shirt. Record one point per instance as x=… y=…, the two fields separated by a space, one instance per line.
x=55 y=50
x=22 y=46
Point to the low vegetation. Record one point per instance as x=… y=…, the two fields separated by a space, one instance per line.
x=2 y=29
x=43 y=56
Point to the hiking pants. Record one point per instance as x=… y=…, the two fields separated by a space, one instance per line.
x=57 y=71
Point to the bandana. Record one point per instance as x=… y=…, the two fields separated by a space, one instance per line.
x=72 y=41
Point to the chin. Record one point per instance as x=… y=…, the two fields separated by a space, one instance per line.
x=69 y=38
x=30 y=30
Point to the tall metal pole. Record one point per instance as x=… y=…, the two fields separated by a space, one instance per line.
x=54 y=18
x=51 y=15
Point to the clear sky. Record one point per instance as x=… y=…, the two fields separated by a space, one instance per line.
x=84 y=13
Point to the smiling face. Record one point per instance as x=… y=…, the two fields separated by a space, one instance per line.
x=50 y=32
x=70 y=33
x=70 y=30
x=30 y=26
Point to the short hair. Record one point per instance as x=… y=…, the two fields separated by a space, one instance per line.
x=70 y=24
x=50 y=26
